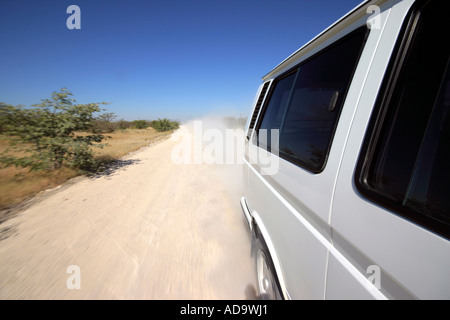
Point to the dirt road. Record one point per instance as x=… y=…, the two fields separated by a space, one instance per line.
x=147 y=229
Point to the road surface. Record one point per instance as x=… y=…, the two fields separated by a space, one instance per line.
x=148 y=228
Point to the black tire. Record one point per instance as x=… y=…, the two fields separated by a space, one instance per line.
x=268 y=287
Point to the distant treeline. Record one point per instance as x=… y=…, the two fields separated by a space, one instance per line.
x=107 y=123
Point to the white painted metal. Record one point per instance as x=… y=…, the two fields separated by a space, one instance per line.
x=322 y=235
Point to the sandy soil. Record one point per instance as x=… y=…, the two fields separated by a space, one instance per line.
x=146 y=229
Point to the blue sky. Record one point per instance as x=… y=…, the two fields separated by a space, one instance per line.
x=178 y=59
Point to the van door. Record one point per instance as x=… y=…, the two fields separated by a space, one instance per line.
x=391 y=212
x=298 y=127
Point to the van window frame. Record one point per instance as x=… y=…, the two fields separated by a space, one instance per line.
x=374 y=129
x=295 y=69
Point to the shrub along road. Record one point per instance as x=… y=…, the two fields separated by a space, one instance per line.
x=148 y=228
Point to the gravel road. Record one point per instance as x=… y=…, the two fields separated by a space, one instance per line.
x=148 y=228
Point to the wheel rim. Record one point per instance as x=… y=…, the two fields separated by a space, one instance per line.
x=265 y=277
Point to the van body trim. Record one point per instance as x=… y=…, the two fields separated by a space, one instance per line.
x=247 y=213
x=389 y=287
x=343 y=259
x=302 y=219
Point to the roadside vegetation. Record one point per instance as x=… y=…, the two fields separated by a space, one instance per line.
x=45 y=145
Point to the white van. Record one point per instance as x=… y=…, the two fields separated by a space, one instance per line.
x=356 y=204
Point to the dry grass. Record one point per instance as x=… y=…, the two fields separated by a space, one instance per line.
x=18 y=184
x=124 y=142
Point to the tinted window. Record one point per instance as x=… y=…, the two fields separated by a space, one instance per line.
x=316 y=102
x=407 y=167
x=276 y=108
x=305 y=105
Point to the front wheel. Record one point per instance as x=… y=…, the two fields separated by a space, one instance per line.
x=267 y=283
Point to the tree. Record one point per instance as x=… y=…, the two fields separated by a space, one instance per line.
x=104 y=123
x=46 y=136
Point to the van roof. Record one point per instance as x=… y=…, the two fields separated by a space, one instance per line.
x=356 y=13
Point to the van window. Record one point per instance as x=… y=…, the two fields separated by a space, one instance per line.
x=407 y=164
x=305 y=105
x=276 y=108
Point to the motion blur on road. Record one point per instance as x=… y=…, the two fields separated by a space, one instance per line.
x=147 y=228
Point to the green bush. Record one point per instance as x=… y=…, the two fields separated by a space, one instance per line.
x=44 y=137
x=140 y=124
x=161 y=125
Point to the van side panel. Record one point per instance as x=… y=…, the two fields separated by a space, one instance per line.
x=294 y=205
x=327 y=239
x=300 y=254
x=410 y=261
x=342 y=284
